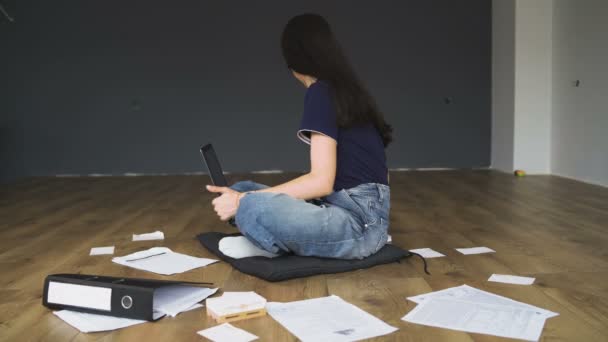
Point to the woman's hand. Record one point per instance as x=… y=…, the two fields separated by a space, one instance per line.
x=225 y=205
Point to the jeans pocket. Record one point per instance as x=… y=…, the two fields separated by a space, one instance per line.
x=360 y=204
x=383 y=235
x=373 y=212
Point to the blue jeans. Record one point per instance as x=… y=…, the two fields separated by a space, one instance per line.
x=347 y=224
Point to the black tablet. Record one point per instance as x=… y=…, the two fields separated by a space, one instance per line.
x=213 y=166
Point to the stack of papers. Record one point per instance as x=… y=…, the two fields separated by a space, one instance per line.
x=327 y=319
x=234 y=302
x=168 y=300
x=162 y=260
x=465 y=308
x=227 y=333
x=157 y=235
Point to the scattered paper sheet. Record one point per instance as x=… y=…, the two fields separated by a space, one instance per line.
x=162 y=260
x=511 y=279
x=475 y=250
x=234 y=302
x=86 y=322
x=505 y=321
x=473 y=295
x=227 y=333
x=390 y=239
x=427 y=253
x=173 y=299
x=102 y=250
x=157 y=235
x=327 y=319
x=469 y=309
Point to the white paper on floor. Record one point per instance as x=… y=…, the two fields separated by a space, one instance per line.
x=162 y=260
x=465 y=308
x=475 y=250
x=471 y=294
x=227 y=333
x=157 y=235
x=173 y=299
x=327 y=319
x=86 y=322
x=102 y=250
x=427 y=253
x=511 y=279
x=498 y=320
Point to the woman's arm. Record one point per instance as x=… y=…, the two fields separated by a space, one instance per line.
x=316 y=183
x=319 y=181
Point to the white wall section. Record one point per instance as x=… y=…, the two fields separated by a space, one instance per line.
x=503 y=88
x=533 y=54
x=579 y=143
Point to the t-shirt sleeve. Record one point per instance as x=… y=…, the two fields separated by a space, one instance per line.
x=319 y=114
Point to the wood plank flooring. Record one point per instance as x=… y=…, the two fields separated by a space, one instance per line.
x=546 y=227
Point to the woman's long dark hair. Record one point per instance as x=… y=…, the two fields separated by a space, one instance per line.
x=310 y=48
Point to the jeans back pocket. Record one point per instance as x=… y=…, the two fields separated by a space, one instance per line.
x=373 y=202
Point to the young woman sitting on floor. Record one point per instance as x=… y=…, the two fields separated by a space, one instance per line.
x=340 y=209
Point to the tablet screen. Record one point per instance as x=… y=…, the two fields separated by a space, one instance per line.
x=213 y=165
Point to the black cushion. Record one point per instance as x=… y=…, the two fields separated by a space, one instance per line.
x=292 y=266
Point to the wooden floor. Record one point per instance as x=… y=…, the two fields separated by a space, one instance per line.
x=546 y=227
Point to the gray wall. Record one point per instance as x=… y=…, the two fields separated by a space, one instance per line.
x=11 y=165
x=137 y=86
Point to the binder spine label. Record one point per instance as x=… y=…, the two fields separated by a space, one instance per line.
x=91 y=297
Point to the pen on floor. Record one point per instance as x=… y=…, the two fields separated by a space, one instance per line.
x=146 y=257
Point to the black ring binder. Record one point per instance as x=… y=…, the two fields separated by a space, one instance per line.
x=125 y=297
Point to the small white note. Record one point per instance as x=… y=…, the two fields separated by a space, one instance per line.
x=157 y=235
x=427 y=253
x=102 y=250
x=234 y=302
x=475 y=250
x=511 y=279
x=227 y=332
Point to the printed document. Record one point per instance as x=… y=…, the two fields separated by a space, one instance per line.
x=327 y=319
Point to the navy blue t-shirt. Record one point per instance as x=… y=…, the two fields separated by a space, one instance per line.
x=360 y=155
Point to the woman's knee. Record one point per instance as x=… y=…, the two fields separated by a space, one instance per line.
x=250 y=217
x=247 y=185
x=254 y=207
x=243 y=186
